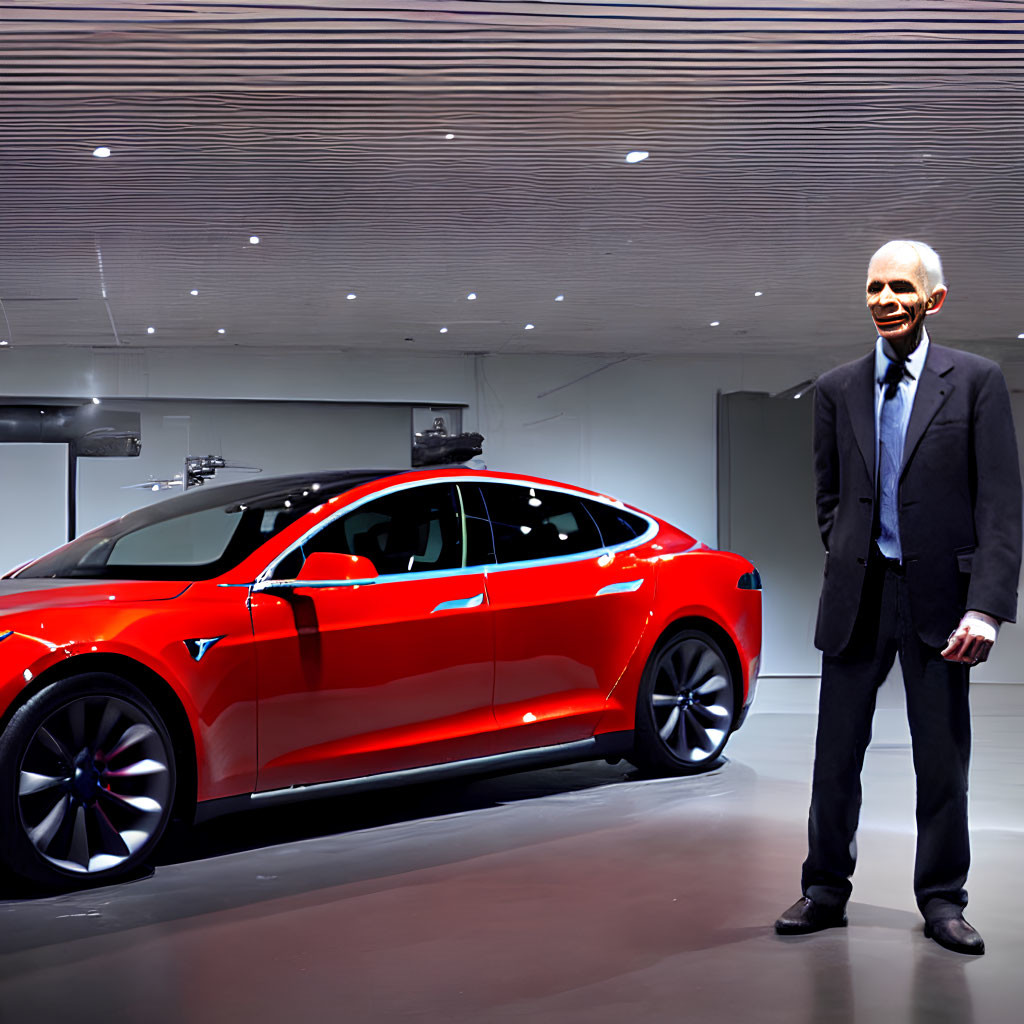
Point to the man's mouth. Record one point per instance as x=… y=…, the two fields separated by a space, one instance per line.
x=891 y=322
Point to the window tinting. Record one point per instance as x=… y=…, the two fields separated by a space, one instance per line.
x=617 y=526
x=195 y=536
x=531 y=523
x=413 y=530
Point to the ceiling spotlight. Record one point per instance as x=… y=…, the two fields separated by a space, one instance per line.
x=1019 y=337
x=195 y=291
x=350 y=296
x=254 y=239
x=220 y=330
x=95 y=401
x=102 y=152
x=4 y=342
x=714 y=323
x=444 y=330
x=151 y=330
x=559 y=298
x=758 y=294
x=636 y=156
x=528 y=327
x=449 y=136
x=471 y=296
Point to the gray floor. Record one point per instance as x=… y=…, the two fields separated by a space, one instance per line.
x=570 y=895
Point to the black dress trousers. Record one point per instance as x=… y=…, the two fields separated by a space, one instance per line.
x=940 y=729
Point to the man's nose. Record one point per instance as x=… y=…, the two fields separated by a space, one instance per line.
x=887 y=296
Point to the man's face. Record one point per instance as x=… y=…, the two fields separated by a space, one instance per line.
x=898 y=298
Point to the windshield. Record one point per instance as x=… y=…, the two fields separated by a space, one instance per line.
x=195 y=536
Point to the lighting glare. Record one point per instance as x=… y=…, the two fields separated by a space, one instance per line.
x=559 y=298
x=350 y=296
x=471 y=296
x=221 y=330
x=444 y=330
x=95 y=401
x=4 y=342
x=529 y=717
x=449 y=136
x=195 y=291
x=102 y=152
x=151 y=330
x=254 y=239
x=528 y=327
x=636 y=156
x=714 y=323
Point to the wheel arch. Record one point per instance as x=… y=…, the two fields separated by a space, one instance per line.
x=157 y=689
x=720 y=635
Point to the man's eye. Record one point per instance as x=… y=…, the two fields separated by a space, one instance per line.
x=874 y=288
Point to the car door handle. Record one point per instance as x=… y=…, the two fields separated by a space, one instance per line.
x=621 y=588
x=468 y=602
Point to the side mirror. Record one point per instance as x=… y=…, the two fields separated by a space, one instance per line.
x=324 y=566
x=323 y=569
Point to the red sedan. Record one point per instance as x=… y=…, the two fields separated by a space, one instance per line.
x=305 y=635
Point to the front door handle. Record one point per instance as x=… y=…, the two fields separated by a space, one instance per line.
x=468 y=602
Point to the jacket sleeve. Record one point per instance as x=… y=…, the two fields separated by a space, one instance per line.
x=826 y=460
x=997 y=501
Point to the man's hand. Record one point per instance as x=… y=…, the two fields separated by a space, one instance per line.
x=971 y=641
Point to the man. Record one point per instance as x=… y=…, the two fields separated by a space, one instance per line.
x=919 y=506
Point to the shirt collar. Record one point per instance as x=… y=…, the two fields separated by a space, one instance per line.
x=915 y=361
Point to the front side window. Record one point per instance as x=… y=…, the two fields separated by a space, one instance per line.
x=530 y=523
x=417 y=529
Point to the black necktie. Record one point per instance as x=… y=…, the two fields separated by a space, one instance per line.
x=893 y=375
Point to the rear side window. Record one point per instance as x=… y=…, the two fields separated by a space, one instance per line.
x=531 y=523
x=417 y=529
x=617 y=526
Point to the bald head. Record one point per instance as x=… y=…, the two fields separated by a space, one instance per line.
x=925 y=256
x=905 y=285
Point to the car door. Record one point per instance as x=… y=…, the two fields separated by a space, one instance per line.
x=568 y=613
x=391 y=674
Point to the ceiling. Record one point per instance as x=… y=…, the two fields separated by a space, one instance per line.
x=412 y=153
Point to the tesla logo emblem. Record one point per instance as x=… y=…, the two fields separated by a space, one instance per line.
x=197 y=648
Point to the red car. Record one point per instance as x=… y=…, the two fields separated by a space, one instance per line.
x=305 y=635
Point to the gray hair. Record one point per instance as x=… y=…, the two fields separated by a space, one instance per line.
x=928 y=257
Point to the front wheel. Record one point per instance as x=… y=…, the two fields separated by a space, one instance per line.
x=686 y=706
x=87 y=780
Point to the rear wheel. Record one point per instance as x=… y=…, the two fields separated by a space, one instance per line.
x=87 y=783
x=686 y=706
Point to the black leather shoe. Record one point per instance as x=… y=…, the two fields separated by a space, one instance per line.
x=956 y=934
x=806 y=916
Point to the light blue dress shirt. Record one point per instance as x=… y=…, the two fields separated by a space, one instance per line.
x=889 y=540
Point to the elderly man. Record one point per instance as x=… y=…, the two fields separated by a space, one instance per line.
x=919 y=506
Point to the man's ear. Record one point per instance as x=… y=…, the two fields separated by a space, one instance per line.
x=934 y=304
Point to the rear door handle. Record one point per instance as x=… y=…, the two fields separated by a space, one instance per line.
x=621 y=588
x=468 y=602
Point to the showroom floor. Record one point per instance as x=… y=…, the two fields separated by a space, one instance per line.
x=568 y=895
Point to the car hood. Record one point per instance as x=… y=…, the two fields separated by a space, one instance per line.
x=25 y=594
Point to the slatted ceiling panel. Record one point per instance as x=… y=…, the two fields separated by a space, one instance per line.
x=787 y=140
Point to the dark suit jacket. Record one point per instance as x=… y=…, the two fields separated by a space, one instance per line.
x=959 y=494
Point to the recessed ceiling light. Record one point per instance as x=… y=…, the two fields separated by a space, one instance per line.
x=714 y=323
x=221 y=330
x=758 y=294
x=444 y=330
x=3 y=342
x=471 y=296
x=195 y=291
x=449 y=136
x=1020 y=336
x=151 y=330
x=254 y=239
x=101 y=152
x=95 y=401
x=636 y=156
x=528 y=327
x=559 y=298
x=350 y=296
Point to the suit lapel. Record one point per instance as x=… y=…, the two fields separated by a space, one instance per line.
x=860 y=404
x=933 y=390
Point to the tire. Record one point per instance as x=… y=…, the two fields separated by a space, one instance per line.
x=87 y=782
x=685 y=707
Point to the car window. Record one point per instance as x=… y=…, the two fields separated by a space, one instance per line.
x=479 y=535
x=617 y=526
x=417 y=529
x=531 y=523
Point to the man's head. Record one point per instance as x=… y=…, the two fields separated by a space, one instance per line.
x=905 y=285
